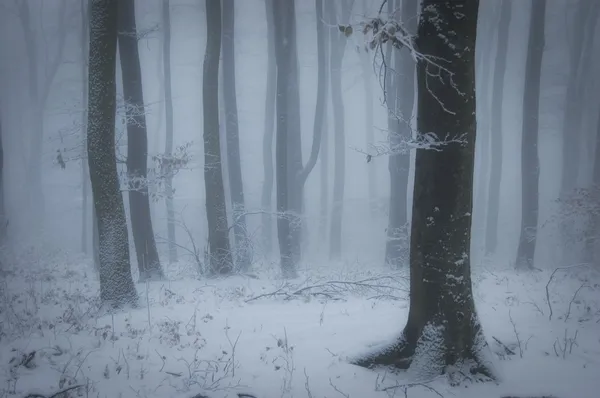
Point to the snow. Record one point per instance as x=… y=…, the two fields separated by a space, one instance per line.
x=202 y=336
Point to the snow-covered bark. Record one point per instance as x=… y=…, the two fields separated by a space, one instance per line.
x=530 y=163
x=137 y=144
x=491 y=237
x=443 y=333
x=216 y=212
x=116 y=283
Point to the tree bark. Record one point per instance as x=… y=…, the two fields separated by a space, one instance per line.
x=442 y=333
x=116 y=283
x=171 y=237
x=3 y=215
x=491 y=237
x=530 y=163
x=243 y=255
x=337 y=49
x=84 y=97
x=137 y=146
x=403 y=86
x=221 y=261
x=269 y=133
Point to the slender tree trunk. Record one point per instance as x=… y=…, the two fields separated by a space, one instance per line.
x=324 y=177
x=530 y=163
x=496 y=129
x=442 y=335
x=236 y=183
x=338 y=47
x=396 y=250
x=3 y=215
x=367 y=77
x=574 y=100
x=137 y=146
x=594 y=223
x=84 y=98
x=116 y=283
x=221 y=261
x=166 y=18
x=267 y=188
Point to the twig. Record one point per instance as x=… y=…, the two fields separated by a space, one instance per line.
x=55 y=395
x=508 y=350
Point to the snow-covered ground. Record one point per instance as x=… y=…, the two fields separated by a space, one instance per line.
x=221 y=338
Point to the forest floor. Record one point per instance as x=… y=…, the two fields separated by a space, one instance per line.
x=262 y=336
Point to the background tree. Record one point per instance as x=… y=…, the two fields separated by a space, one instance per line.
x=442 y=333
x=496 y=128
x=216 y=213
x=168 y=86
x=116 y=283
x=337 y=50
x=41 y=75
x=234 y=165
x=269 y=133
x=3 y=215
x=137 y=145
x=530 y=163
x=402 y=91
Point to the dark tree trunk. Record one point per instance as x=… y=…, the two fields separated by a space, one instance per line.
x=282 y=15
x=443 y=332
x=267 y=188
x=491 y=237
x=530 y=163
x=137 y=146
x=166 y=19
x=236 y=184
x=3 y=215
x=403 y=86
x=337 y=50
x=216 y=212
x=116 y=283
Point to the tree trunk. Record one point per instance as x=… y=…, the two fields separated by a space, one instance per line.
x=166 y=19
x=243 y=253
x=491 y=237
x=116 y=283
x=267 y=188
x=3 y=215
x=443 y=333
x=84 y=98
x=324 y=177
x=338 y=47
x=402 y=89
x=137 y=146
x=530 y=163
x=367 y=77
x=216 y=212
x=574 y=100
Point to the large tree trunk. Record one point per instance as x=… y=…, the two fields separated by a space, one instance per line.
x=443 y=333
x=166 y=22
x=216 y=212
x=116 y=283
x=243 y=253
x=491 y=237
x=402 y=89
x=137 y=146
x=530 y=163
x=338 y=47
x=267 y=188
